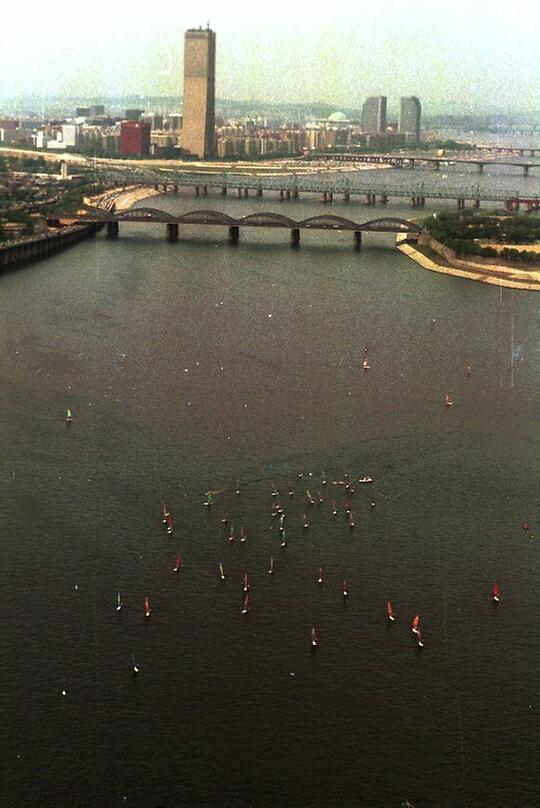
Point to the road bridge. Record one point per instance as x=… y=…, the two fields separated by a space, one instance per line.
x=412 y=160
x=268 y=219
x=292 y=186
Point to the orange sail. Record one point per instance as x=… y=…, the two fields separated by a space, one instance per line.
x=496 y=592
x=389 y=611
x=415 y=623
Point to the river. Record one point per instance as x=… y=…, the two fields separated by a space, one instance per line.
x=195 y=365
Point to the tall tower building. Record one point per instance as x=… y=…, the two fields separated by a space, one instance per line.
x=198 y=128
x=409 y=118
x=374 y=115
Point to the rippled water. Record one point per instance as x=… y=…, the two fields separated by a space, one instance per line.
x=190 y=366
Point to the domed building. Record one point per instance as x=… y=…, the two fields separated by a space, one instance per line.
x=337 y=117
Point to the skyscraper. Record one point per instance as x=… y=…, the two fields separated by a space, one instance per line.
x=409 y=118
x=198 y=128
x=374 y=115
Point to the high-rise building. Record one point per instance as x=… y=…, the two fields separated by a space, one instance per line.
x=134 y=138
x=409 y=118
x=198 y=126
x=374 y=115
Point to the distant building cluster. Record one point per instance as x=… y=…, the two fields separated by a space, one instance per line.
x=197 y=134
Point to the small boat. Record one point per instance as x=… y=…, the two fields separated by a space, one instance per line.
x=169 y=528
x=365 y=479
x=135 y=667
x=243 y=536
x=225 y=518
x=309 y=497
x=245 y=582
x=147 y=608
x=366 y=365
x=348 y=506
x=178 y=563
x=525 y=526
x=372 y=503
x=221 y=572
x=283 y=539
x=237 y=491
x=271 y=568
x=314 y=638
x=245 y=604
x=415 y=624
x=345 y=589
x=119 y=603
x=448 y=400
x=324 y=480
x=469 y=370
x=69 y=416
x=231 y=534
x=351 y=521
x=320 y=579
x=334 y=509
x=496 y=593
x=165 y=513
x=390 y=611
x=306 y=521
x=290 y=490
x=420 y=639
x=281 y=522
x=320 y=497
x=275 y=492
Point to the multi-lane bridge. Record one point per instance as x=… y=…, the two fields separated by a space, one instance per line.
x=326 y=187
x=266 y=219
x=412 y=160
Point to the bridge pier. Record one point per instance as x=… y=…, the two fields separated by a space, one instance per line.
x=437 y=166
x=384 y=199
x=477 y=202
x=156 y=187
x=259 y=192
x=197 y=191
x=239 y=193
x=295 y=237
x=357 y=240
x=525 y=171
x=112 y=229
x=281 y=195
x=175 y=189
x=346 y=196
x=287 y=194
x=234 y=234
x=480 y=168
x=330 y=196
x=224 y=190
x=205 y=190
x=164 y=187
x=246 y=191
x=172 y=231
x=461 y=203
x=295 y=193
x=325 y=197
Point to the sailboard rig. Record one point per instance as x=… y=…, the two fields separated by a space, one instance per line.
x=221 y=572
x=119 y=603
x=147 y=608
x=496 y=593
x=415 y=624
x=314 y=638
x=390 y=611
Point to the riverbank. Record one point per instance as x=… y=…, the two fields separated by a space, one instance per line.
x=495 y=274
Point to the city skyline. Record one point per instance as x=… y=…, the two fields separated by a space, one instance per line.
x=476 y=57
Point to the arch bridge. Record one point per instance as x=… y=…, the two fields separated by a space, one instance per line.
x=269 y=219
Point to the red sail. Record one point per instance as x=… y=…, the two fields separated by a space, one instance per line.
x=415 y=623
x=389 y=610
x=496 y=591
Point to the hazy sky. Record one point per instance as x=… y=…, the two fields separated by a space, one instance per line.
x=459 y=53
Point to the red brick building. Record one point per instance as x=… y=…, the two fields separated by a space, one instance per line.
x=134 y=138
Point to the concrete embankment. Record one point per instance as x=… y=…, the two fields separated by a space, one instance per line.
x=495 y=274
x=30 y=249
